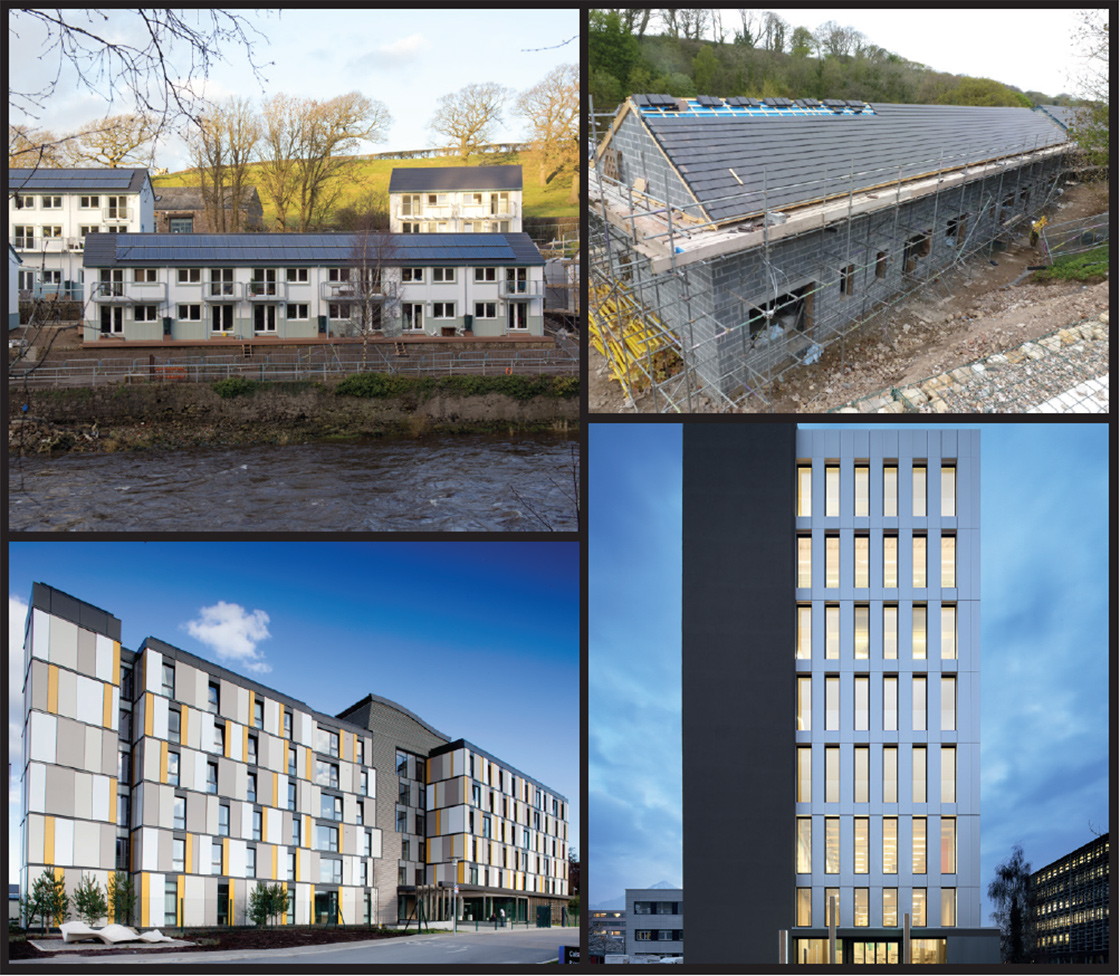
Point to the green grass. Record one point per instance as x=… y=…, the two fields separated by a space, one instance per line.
x=373 y=175
x=1077 y=267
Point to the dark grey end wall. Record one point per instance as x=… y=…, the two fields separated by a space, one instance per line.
x=738 y=689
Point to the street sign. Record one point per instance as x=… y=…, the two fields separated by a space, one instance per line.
x=569 y=954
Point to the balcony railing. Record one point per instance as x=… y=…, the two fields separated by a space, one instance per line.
x=117 y=213
x=130 y=292
x=223 y=291
x=267 y=291
x=522 y=289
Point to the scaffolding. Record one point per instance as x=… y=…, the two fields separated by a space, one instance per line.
x=649 y=262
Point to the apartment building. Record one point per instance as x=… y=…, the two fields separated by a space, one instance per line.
x=831 y=631
x=51 y=211
x=455 y=200
x=654 y=924
x=199 y=287
x=1070 y=910
x=201 y=783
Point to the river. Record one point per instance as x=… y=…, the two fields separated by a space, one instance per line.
x=462 y=483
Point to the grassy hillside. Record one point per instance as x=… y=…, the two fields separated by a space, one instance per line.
x=373 y=175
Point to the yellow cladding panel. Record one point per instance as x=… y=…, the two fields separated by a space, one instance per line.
x=180 y=886
x=264 y=826
x=229 y=738
x=188 y=864
x=183 y=724
x=461 y=867
x=116 y=662
x=144 y=899
x=52 y=688
x=48 y=840
x=287 y=756
x=308 y=753
x=275 y=788
x=284 y=916
x=232 y=895
x=225 y=863
x=252 y=703
x=438 y=831
x=148 y=713
x=274 y=850
x=107 y=707
x=312 y=896
x=112 y=799
x=163 y=762
x=296 y=849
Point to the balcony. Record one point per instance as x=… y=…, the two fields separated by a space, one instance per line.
x=267 y=291
x=522 y=289
x=118 y=214
x=130 y=292
x=217 y=292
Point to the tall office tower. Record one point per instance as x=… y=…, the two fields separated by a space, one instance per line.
x=831 y=693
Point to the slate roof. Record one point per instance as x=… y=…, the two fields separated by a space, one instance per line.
x=86 y=180
x=797 y=159
x=190 y=198
x=427 y=179
x=303 y=250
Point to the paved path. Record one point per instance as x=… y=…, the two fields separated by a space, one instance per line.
x=485 y=947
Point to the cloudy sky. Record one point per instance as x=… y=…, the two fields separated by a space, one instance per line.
x=1045 y=679
x=405 y=59
x=480 y=640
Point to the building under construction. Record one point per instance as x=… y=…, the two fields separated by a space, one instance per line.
x=733 y=238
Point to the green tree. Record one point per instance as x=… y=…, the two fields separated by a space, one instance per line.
x=978 y=91
x=609 y=46
x=705 y=69
x=802 y=42
x=89 y=901
x=260 y=904
x=122 y=897
x=1010 y=890
x=48 y=900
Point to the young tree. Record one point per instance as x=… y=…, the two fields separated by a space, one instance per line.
x=49 y=899
x=122 y=897
x=467 y=117
x=373 y=286
x=89 y=900
x=1010 y=890
x=260 y=904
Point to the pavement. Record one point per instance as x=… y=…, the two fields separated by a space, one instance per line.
x=510 y=946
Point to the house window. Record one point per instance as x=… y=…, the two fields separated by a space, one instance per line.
x=948 y=907
x=847 y=280
x=890 y=907
x=174 y=718
x=890 y=774
x=250 y=862
x=252 y=749
x=862 y=555
x=144 y=275
x=862 y=617
x=890 y=845
x=890 y=561
x=173 y=768
x=330 y=870
x=919 y=845
x=258 y=714
x=804 y=703
x=168 y=687
x=948 y=845
x=804 y=490
x=804 y=561
x=443 y=310
x=831 y=490
x=212 y=697
x=948 y=703
x=918 y=641
x=831 y=774
x=211 y=777
x=223 y=820
x=330 y=807
x=296 y=275
x=890 y=490
x=948 y=774
x=831 y=845
x=219 y=738
x=188 y=276
x=414 y=275
x=178 y=853
x=832 y=561
x=179 y=813
x=51 y=203
x=919 y=490
x=804 y=774
x=180 y=225
x=804 y=845
x=804 y=632
x=861 y=697
x=443 y=275
x=23 y=236
x=326 y=774
x=410 y=205
x=948 y=631
x=890 y=702
x=412 y=314
x=257 y=824
x=948 y=561
x=251 y=791
x=948 y=491
x=296 y=832
x=919 y=691
x=287 y=724
x=145 y=313
x=805 y=907
x=918 y=773
x=890 y=631
x=861 y=905
x=485 y=274
x=326 y=838
x=190 y=313
x=832 y=702
x=292 y=752
x=291 y=796
x=89 y=203
x=832 y=632
x=862 y=757
x=117 y=208
x=326 y=741
x=919 y=557
x=485 y=310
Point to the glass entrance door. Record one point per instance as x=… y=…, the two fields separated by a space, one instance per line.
x=875 y=953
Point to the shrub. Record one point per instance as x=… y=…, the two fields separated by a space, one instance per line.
x=235 y=386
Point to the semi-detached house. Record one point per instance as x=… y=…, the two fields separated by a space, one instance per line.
x=198 y=287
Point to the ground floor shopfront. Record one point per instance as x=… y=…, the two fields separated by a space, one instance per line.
x=886 y=946
x=474 y=903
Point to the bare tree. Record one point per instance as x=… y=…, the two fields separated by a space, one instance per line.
x=374 y=285
x=752 y=28
x=28 y=147
x=837 y=41
x=468 y=116
x=694 y=22
x=281 y=137
x=114 y=141
x=774 y=32
x=551 y=108
x=1091 y=126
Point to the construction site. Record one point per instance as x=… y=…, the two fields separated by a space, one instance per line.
x=734 y=242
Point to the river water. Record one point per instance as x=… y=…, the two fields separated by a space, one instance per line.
x=465 y=483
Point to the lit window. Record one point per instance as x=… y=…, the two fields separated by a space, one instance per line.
x=831 y=490
x=862 y=636
x=804 y=774
x=832 y=774
x=948 y=631
x=919 y=774
x=861 y=899
x=860 y=833
x=948 y=560
x=918 y=642
x=862 y=567
x=948 y=491
x=919 y=845
x=890 y=845
x=804 y=632
x=831 y=845
x=948 y=703
x=919 y=557
x=862 y=696
x=832 y=907
x=863 y=480
x=890 y=561
x=831 y=632
x=804 y=490
x=804 y=704
x=919 y=478
x=890 y=907
x=890 y=632
x=890 y=702
x=890 y=774
x=804 y=845
x=805 y=907
x=948 y=774
x=832 y=702
x=948 y=907
x=804 y=561
x=832 y=561
x=890 y=491
x=948 y=845
x=918 y=913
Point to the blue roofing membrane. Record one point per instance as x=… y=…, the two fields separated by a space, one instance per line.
x=741 y=159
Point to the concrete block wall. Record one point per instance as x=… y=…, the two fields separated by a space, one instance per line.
x=642 y=159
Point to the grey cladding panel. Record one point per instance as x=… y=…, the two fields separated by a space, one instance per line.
x=792 y=159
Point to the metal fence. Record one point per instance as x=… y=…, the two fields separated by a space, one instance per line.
x=1074 y=236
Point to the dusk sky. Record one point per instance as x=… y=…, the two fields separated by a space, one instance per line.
x=481 y=640
x=1044 y=648
x=404 y=58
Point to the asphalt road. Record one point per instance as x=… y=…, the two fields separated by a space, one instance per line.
x=519 y=946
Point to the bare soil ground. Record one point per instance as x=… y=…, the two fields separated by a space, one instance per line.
x=982 y=314
x=213 y=940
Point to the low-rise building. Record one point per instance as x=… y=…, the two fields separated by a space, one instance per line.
x=455 y=199
x=654 y=923
x=51 y=212
x=182 y=210
x=197 y=287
